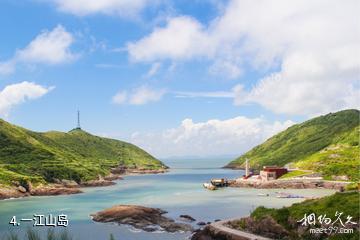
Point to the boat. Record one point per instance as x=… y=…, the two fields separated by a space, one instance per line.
x=209 y=186
x=263 y=194
x=219 y=182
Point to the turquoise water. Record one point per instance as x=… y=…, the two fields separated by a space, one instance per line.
x=179 y=191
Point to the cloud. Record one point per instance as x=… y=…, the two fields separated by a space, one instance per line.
x=120 y=98
x=306 y=84
x=108 y=65
x=126 y=8
x=216 y=94
x=139 y=96
x=155 y=67
x=49 y=47
x=18 y=93
x=181 y=38
x=308 y=49
x=227 y=68
x=213 y=137
x=7 y=67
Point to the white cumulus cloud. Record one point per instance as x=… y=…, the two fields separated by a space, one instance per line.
x=314 y=47
x=49 y=47
x=181 y=38
x=18 y=93
x=139 y=96
x=213 y=137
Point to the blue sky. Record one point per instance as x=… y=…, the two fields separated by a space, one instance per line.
x=175 y=77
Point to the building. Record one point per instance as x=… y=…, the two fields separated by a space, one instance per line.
x=272 y=172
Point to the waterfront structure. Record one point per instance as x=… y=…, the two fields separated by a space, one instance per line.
x=247 y=173
x=272 y=172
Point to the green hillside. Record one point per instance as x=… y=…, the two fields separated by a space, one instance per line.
x=76 y=155
x=328 y=144
x=346 y=203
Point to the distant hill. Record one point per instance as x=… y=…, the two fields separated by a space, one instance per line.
x=76 y=155
x=328 y=144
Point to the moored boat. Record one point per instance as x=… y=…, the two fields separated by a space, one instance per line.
x=209 y=186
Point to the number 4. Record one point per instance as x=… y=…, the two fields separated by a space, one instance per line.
x=13 y=221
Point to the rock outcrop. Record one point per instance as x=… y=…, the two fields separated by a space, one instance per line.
x=144 y=218
x=294 y=184
x=52 y=191
x=187 y=218
x=47 y=190
x=146 y=171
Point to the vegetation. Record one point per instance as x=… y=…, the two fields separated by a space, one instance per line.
x=328 y=144
x=295 y=173
x=288 y=217
x=77 y=155
x=347 y=203
x=338 y=159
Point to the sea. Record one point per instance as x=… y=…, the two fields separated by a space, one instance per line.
x=178 y=191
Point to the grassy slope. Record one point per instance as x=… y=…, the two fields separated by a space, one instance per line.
x=341 y=158
x=77 y=155
x=306 y=145
x=347 y=202
x=295 y=173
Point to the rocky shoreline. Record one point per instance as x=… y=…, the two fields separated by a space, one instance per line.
x=140 y=217
x=7 y=192
x=289 y=184
x=65 y=187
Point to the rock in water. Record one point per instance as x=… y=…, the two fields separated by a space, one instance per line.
x=187 y=218
x=140 y=217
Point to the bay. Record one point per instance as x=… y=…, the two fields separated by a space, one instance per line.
x=179 y=191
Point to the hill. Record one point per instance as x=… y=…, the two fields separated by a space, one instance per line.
x=283 y=223
x=328 y=144
x=76 y=155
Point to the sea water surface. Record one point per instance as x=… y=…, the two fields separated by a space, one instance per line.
x=179 y=191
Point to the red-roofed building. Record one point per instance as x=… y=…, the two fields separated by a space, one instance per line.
x=272 y=172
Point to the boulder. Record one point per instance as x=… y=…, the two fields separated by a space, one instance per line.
x=187 y=218
x=97 y=183
x=69 y=183
x=21 y=189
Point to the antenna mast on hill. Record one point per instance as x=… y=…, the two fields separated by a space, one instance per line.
x=78 y=120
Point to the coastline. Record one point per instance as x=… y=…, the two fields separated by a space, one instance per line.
x=67 y=187
x=264 y=224
x=290 y=184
